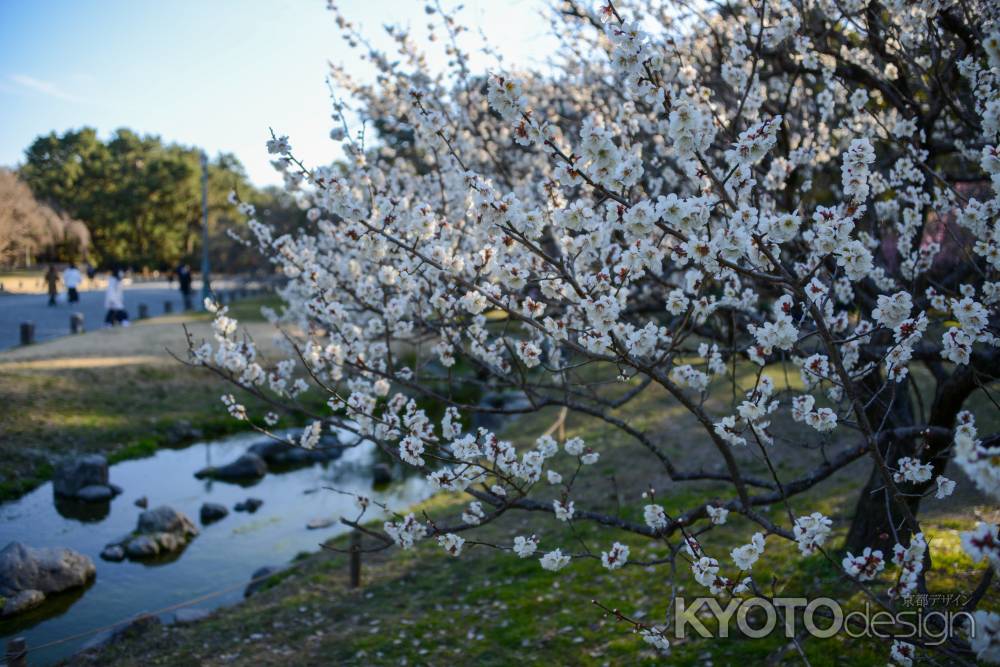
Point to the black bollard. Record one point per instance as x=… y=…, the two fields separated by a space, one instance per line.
x=17 y=652
x=76 y=323
x=143 y=311
x=168 y=306
x=27 y=333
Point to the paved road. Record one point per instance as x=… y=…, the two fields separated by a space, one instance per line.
x=53 y=321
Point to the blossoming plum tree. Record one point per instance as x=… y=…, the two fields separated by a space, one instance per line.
x=690 y=194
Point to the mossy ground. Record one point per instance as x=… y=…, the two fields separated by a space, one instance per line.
x=421 y=607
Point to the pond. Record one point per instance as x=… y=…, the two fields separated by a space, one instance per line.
x=226 y=552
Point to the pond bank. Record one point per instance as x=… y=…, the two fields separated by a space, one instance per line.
x=226 y=553
x=115 y=392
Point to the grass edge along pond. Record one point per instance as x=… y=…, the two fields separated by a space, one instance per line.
x=122 y=410
x=491 y=608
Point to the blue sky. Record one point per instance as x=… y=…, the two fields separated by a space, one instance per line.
x=211 y=73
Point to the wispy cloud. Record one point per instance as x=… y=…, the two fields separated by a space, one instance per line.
x=25 y=82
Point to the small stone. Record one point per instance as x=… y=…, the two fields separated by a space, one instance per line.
x=249 y=505
x=316 y=524
x=211 y=512
x=113 y=553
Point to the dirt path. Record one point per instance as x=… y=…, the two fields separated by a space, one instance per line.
x=145 y=342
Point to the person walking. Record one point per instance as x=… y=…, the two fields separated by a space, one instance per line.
x=52 y=280
x=184 y=282
x=114 y=300
x=71 y=279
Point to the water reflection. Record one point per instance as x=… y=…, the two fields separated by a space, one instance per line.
x=81 y=510
x=226 y=552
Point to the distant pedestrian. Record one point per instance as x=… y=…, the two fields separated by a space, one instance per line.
x=91 y=272
x=72 y=279
x=184 y=282
x=114 y=300
x=52 y=280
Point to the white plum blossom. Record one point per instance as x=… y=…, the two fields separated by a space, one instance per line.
x=748 y=554
x=311 y=435
x=574 y=446
x=616 y=557
x=474 y=513
x=983 y=543
x=717 y=514
x=986 y=644
x=811 y=532
x=902 y=653
x=945 y=487
x=563 y=509
x=912 y=470
x=865 y=566
x=406 y=531
x=525 y=546
x=554 y=560
x=452 y=544
x=655 y=517
x=910 y=561
x=656 y=639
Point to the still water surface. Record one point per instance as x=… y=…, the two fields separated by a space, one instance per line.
x=225 y=553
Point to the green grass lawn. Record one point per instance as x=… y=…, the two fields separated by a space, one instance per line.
x=123 y=410
x=421 y=607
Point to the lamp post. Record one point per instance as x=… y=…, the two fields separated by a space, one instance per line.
x=206 y=287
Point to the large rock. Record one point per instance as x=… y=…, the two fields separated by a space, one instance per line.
x=26 y=573
x=277 y=453
x=160 y=531
x=73 y=474
x=247 y=467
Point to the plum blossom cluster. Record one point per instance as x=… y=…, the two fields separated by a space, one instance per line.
x=771 y=227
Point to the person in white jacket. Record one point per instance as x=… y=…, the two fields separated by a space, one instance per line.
x=114 y=300
x=72 y=279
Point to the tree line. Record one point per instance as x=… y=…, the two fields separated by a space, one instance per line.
x=135 y=201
